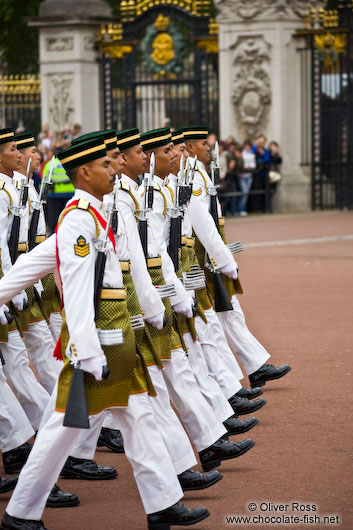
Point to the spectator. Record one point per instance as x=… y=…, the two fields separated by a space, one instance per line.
x=62 y=189
x=246 y=168
x=261 y=174
x=76 y=131
x=229 y=185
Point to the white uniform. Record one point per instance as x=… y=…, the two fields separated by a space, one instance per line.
x=30 y=393
x=250 y=352
x=163 y=202
x=39 y=339
x=223 y=366
x=153 y=469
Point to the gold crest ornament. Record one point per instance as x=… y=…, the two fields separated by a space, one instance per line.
x=163 y=48
x=82 y=247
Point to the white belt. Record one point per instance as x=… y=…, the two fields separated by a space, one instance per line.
x=110 y=337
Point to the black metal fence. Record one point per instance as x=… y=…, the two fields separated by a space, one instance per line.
x=20 y=102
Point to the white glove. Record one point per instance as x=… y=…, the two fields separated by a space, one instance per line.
x=19 y=300
x=3 y=309
x=185 y=307
x=230 y=270
x=39 y=288
x=156 y=321
x=94 y=366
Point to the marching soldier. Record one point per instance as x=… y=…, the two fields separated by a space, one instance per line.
x=80 y=229
x=251 y=353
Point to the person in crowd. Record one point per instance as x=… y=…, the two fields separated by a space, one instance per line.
x=229 y=185
x=262 y=155
x=246 y=165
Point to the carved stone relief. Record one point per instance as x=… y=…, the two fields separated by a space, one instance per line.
x=264 y=9
x=89 y=43
x=59 y=44
x=61 y=106
x=251 y=93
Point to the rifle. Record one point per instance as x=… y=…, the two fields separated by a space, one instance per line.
x=115 y=207
x=76 y=414
x=42 y=199
x=222 y=301
x=176 y=222
x=147 y=206
x=17 y=212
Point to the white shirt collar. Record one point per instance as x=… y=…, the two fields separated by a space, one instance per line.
x=6 y=178
x=129 y=181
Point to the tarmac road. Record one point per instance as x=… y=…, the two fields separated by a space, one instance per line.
x=297 y=276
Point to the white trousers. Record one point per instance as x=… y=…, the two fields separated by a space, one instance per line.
x=197 y=416
x=207 y=384
x=220 y=359
x=55 y=322
x=29 y=392
x=40 y=346
x=144 y=447
x=15 y=428
x=250 y=352
x=175 y=438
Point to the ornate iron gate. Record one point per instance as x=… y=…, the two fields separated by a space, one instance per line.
x=160 y=66
x=330 y=44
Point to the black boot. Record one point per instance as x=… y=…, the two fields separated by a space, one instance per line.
x=235 y=426
x=178 y=515
x=87 y=469
x=14 y=523
x=249 y=393
x=193 y=480
x=268 y=372
x=245 y=406
x=111 y=438
x=7 y=484
x=223 y=450
x=15 y=459
x=61 y=499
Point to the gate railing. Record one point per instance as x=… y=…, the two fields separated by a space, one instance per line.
x=20 y=97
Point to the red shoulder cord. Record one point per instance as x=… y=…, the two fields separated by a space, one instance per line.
x=57 y=351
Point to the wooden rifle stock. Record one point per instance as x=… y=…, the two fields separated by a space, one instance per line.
x=33 y=229
x=14 y=237
x=175 y=241
x=142 y=226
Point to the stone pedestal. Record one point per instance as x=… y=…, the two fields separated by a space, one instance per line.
x=69 y=67
x=260 y=80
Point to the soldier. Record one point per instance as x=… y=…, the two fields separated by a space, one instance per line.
x=251 y=353
x=125 y=391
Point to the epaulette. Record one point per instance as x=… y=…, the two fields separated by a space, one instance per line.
x=156 y=186
x=83 y=204
x=124 y=185
x=2 y=184
x=18 y=185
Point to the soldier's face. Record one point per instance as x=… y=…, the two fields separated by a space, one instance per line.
x=165 y=160
x=10 y=158
x=202 y=150
x=33 y=153
x=117 y=160
x=180 y=149
x=100 y=177
x=135 y=161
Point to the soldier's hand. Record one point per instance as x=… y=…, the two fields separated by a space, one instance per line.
x=185 y=307
x=94 y=366
x=230 y=270
x=3 y=310
x=157 y=320
x=20 y=301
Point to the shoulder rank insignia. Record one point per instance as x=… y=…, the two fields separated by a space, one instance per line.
x=124 y=186
x=83 y=204
x=156 y=186
x=197 y=193
x=82 y=247
x=18 y=185
x=2 y=184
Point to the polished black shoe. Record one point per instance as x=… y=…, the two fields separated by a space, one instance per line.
x=87 y=469
x=13 y=523
x=7 y=484
x=245 y=406
x=235 y=426
x=249 y=393
x=268 y=372
x=178 y=515
x=223 y=450
x=194 y=480
x=15 y=459
x=61 y=499
x=111 y=438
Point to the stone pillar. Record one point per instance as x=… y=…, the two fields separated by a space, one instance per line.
x=69 y=67
x=260 y=77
